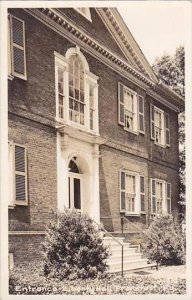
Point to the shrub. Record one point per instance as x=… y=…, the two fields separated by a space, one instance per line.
x=73 y=248
x=167 y=233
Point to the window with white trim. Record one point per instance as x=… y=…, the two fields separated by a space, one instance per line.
x=18 y=194
x=84 y=11
x=130 y=110
x=16 y=47
x=132 y=193
x=160 y=196
x=160 y=131
x=76 y=91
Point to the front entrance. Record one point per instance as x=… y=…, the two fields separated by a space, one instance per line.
x=75 y=186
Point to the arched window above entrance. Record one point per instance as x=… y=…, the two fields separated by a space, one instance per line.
x=76 y=91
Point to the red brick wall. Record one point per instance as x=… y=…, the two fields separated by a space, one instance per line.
x=25 y=248
x=36 y=96
x=40 y=141
x=111 y=162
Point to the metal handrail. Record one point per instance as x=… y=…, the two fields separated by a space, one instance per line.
x=121 y=244
x=123 y=218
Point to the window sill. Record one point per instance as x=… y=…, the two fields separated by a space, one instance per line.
x=131 y=131
x=11 y=206
x=129 y=214
x=10 y=77
x=160 y=145
x=61 y=123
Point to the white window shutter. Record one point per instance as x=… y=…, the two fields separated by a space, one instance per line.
x=121 y=114
x=122 y=191
x=18 y=47
x=141 y=113
x=168 y=197
x=142 y=192
x=153 y=196
x=20 y=166
x=167 y=130
x=152 y=121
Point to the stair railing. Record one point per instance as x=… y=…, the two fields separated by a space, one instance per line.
x=100 y=226
x=144 y=233
x=140 y=230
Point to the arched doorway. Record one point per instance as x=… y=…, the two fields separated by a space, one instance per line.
x=75 y=185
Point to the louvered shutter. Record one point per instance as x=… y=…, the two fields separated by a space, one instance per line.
x=20 y=175
x=142 y=193
x=121 y=115
x=153 y=196
x=18 y=47
x=168 y=197
x=152 y=120
x=141 y=113
x=167 y=131
x=122 y=191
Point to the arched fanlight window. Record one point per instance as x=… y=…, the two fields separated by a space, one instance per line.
x=73 y=167
x=76 y=90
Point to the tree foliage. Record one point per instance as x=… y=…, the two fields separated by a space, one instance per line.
x=171 y=71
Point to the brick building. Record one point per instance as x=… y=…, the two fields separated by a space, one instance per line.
x=90 y=125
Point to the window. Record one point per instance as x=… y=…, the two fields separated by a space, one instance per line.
x=160 y=132
x=84 y=11
x=160 y=196
x=17 y=175
x=130 y=110
x=132 y=193
x=76 y=91
x=16 y=47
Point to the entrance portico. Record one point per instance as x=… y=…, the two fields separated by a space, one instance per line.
x=78 y=171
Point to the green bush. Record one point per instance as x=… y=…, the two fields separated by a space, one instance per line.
x=73 y=248
x=167 y=233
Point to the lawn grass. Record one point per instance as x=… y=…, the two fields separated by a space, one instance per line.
x=29 y=281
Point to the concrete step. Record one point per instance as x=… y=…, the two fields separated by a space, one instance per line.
x=118 y=252
x=127 y=265
x=126 y=257
x=132 y=269
x=111 y=241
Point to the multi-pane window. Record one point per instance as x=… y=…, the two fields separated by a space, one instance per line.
x=160 y=132
x=160 y=196
x=61 y=94
x=76 y=92
x=158 y=126
x=132 y=193
x=130 y=110
x=91 y=106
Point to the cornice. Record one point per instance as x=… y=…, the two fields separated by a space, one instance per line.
x=127 y=41
x=66 y=28
x=54 y=19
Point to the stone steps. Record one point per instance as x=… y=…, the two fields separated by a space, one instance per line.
x=132 y=257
